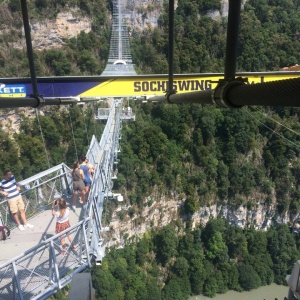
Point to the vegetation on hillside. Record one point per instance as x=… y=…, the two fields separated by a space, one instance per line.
x=209 y=155
x=85 y=54
x=60 y=135
x=268 y=38
x=204 y=155
x=169 y=265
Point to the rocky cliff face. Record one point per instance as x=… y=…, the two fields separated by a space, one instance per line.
x=139 y=14
x=142 y=14
x=164 y=210
x=45 y=34
x=51 y=34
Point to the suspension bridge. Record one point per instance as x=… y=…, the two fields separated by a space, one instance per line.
x=31 y=263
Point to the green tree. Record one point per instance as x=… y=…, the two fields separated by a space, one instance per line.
x=166 y=244
x=248 y=278
x=86 y=62
x=222 y=180
x=106 y=286
x=32 y=155
x=210 y=287
x=9 y=158
x=142 y=249
x=283 y=251
x=213 y=226
x=172 y=291
x=58 y=61
x=216 y=246
x=180 y=267
x=237 y=243
x=230 y=275
x=191 y=205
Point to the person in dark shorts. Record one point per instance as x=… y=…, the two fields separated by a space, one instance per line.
x=78 y=184
x=86 y=168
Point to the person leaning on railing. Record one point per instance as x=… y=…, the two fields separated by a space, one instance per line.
x=10 y=189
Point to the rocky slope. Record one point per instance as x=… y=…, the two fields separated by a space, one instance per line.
x=48 y=33
x=51 y=34
x=164 y=210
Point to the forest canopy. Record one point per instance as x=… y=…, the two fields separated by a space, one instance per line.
x=203 y=155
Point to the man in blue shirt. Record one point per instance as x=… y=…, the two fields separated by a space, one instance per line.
x=10 y=189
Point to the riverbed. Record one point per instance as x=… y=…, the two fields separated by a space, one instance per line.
x=269 y=292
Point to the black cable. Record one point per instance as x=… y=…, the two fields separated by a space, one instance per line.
x=233 y=25
x=280 y=92
x=170 y=90
x=11 y=102
x=236 y=94
x=30 y=51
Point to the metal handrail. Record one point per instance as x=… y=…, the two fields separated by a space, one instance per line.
x=40 y=271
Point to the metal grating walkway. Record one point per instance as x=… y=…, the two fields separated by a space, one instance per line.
x=31 y=263
x=119 y=58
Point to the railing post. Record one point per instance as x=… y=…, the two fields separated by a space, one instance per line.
x=43 y=184
x=16 y=283
x=41 y=200
x=66 y=183
x=85 y=240
x=52 y=260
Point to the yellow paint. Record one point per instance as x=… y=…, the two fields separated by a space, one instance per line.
x=13 y=95
x=151 y=86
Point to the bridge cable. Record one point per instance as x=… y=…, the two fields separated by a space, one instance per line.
x=86 y=131
x=42 y=135
x=93 y=114
x=30 y=54
x=286 y=127
x=272 y=130
x=170 y=88
x=85 y=119
x=90 y=118
x=73 y=136
x=30 y=57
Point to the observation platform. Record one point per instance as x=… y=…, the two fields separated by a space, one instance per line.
x=126 y=114
x=44 y=227
x=31 y=263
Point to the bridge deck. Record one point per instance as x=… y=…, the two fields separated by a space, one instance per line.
x=44 y=227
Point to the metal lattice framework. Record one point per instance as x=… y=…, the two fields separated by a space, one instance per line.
x=119 y=58
x=40 y=271
x=40 y=190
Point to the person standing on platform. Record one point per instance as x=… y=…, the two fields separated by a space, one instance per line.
x=62 y=222
x=87 y=176
x=78 y=184
x=91 y=169
x=10 y=189
x=129 y=110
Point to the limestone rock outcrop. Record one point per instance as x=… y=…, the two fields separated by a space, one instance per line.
x=165 y=210
x=51 y=34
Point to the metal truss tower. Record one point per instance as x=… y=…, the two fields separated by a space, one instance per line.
x=119 y=59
